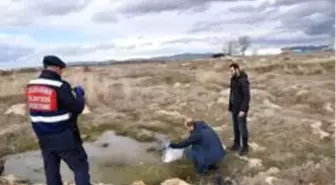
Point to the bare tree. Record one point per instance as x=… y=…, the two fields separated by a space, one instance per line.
x=244 y=43
x=224 y=49
x=230 y=48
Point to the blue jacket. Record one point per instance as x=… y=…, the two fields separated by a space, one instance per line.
x=53 y=110
x=206 y=147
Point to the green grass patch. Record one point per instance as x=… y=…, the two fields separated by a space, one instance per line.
x=27 y=145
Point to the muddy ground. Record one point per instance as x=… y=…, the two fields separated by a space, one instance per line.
x=291 y=119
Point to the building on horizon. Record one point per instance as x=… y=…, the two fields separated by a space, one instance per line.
x=307 y=49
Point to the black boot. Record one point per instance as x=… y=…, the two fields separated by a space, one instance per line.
x=244 y=151
x=234 y=147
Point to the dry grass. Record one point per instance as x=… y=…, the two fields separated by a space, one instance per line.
x=288 y=97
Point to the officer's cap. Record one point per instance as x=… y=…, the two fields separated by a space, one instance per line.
x=52 y=60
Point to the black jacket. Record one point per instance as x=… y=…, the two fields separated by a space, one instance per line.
x=239 y=93
x=69 y=137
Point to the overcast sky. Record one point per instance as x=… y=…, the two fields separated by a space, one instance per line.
x=119 y=29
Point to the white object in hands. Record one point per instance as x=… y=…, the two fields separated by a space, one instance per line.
x=170 y=154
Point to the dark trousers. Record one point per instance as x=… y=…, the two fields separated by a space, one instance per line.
x=76 y=159
x=213 y=176
x=240 y=130
x=210 y=175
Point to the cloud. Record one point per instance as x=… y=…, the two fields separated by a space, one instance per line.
x=105 y=17
x=282 y=39
x=310 y=16
x=22 y=12
x=12 y=49
x=52 y=7
x=157 y=6
x=292 y=2
x=314 y=18
x=210 y=40
x=79 y=30
x=13 y=53
x=276 y=23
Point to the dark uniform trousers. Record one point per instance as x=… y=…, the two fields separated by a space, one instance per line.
x=76 y=159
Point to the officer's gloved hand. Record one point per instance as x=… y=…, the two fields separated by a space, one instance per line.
x=79 y=91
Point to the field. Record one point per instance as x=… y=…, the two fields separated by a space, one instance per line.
x=291 y=119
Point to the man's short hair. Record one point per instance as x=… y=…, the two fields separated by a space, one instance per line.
x=234 y=66
x=189 y=122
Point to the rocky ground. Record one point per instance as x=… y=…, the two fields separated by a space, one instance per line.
x=291 y=121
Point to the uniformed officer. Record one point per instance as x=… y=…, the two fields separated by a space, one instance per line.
x=53 y=111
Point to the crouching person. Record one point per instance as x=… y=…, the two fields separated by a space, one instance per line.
x=206 y=150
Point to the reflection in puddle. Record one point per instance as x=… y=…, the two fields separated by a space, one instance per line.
x=110 y=158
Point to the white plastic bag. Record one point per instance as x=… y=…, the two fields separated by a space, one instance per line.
x=170 y=154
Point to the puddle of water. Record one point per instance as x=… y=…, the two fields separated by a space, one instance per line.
x=109 y=164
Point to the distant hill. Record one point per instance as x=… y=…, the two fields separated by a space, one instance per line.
x=160 y=59
x=183 y=56
x=91 y=63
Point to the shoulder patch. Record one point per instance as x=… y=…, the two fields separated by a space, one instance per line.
x=41 y=98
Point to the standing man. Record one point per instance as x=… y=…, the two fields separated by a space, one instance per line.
x=239 y=106
x=53 y=111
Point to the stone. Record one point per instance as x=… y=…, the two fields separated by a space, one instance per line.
x=252 y=162
x=329 y=107
x=220 y=128
x=138 y=182
x=269 y=180
x=256 y=147
x=187 y=85
x=17 y=109
x=86 y=110
x=174 y=181
x=225 y=92
x=273 y=170
x=317 y=130
x=177 y=85
x=222 y=100
x=255 y=163
x=104 y=145
x=268 y=103
x=10 y=179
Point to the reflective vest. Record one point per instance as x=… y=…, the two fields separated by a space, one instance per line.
x=42 y=100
